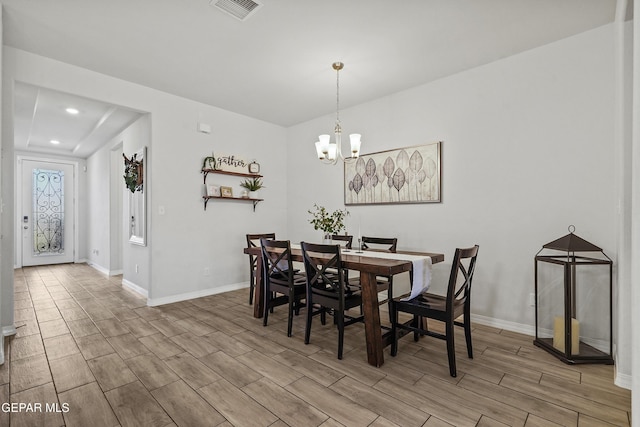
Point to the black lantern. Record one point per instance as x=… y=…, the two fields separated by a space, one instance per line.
x=574 y=300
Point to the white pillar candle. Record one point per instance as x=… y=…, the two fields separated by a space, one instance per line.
x=558 y=335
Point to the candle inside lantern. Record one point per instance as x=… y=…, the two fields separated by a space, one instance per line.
x=559 y=334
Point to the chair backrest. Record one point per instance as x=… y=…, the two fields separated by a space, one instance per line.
x=343 y=238
x=462 y=269
x=276 y=261
x=253 y=241
x=317 y=259
x=380 y=243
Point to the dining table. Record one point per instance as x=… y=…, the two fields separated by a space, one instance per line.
x=369 y=267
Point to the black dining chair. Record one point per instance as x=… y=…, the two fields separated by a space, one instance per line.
x=282 y=284
x=445 y=308
x=253 y=241
x=385 y=283
x=328 y=292
x=343 y=238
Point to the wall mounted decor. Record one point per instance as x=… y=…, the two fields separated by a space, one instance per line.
x=134 y=178
x=404 y=175
x=226 y=191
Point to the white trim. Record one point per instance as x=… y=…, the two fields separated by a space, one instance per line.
x=1 y=349
x=100 y=268
x=135 y=288
x=8 y=331
x=623 y=380
x=198 y=294
x=503 y=324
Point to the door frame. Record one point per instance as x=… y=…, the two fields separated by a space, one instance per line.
x=19 y=199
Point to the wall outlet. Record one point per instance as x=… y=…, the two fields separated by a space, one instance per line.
x=532 y=299
x=207 y=271
x=136 y=268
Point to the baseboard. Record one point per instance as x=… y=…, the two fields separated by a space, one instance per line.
x=622 y=380
x=135 y=288
x=8 y=331
x=98 y=267
x=198 y=294
x=503 y=324
x=103 y=270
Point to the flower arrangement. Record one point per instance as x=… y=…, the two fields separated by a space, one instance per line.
x=330 y=223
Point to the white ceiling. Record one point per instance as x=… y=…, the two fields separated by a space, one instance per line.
x=40 y=116
x=276 y=65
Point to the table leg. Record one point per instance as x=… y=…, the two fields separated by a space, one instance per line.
x=258 y=299
x=371 y=311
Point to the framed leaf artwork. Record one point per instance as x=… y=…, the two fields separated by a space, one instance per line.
x=404 y=175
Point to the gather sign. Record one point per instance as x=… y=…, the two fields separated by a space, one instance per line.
x=232 y=163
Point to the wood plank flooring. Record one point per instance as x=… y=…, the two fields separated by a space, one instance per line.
x=85 y=342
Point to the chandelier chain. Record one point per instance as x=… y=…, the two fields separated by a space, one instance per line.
x=338 y=95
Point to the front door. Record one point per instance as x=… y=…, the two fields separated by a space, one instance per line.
x=47 y=219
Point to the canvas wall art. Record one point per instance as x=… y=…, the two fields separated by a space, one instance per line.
x=404 y=175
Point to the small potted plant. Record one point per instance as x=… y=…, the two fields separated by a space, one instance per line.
x=252 y=185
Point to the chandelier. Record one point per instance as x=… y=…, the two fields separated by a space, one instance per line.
x=329 y=152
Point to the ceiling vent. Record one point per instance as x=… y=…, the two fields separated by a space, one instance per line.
x=239 y=9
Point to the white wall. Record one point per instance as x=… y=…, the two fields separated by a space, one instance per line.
x=106 y=206
x=136 y=267
x=186 y=239
x=527 y=150
x=6 y=265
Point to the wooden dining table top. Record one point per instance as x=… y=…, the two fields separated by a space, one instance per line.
x=360 y=261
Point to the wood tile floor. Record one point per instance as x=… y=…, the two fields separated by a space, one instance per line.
x=86 y=344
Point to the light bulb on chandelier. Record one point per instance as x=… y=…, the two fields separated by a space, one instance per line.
x=329 y=152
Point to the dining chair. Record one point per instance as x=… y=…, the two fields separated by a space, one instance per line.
x=253 y=241
x=282 y=284
x=328 y=292
x=345 y=239
x=385 y=283
x=456 y=303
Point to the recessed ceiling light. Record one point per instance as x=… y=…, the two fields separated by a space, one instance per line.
x=55 y=141
x=72 y=110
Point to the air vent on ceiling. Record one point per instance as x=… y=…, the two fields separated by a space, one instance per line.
x=239 y=9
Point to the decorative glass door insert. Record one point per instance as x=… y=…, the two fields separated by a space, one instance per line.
x=48 y=212
x=47 y=221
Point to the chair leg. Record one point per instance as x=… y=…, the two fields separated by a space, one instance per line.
x=339 y=315
x=290 y=320
x=394 y=329
x=323 y=316
x=307 y=328
x=252 y=285
x=467 y=336
x=451 y=349
x=267 y=303
x=390 y=299
x=417 y=323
